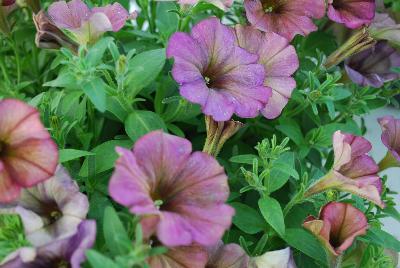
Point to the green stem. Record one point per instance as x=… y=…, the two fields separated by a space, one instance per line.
x=326 y=182
x=17 y=59
x=334 y=261
x=388 y=161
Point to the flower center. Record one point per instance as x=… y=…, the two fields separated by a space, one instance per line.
x=52 y=212
x=3 y=150
x=272 y=6
x=207 y=79
x=158 y=203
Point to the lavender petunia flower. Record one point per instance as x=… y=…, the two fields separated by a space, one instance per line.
x=216 y=73
x=180 y=257
x=227 y=256
x=337 y=227
x=352 y=13
x=65 y=252
x=286 y=18
x=391 y=139
x=51 y=209
x=353 y=170
x=28 y=155
x=179 y=195
x=372 y=67
x=275 y=259
x=86 y=24
x=280 y=61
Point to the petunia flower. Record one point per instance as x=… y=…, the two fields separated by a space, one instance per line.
x=282 y=258
x=5 y=3
x=51 y=209
x=385 y=28
x=87 y=25
x=213 y=71
x=353 y=170
x=286 y=18
x=337 y=226
x=352 y=13
x=68 y=251
x=227 y=256
x=280 y=61
x=28 y=154
x=221 y=4
x=391 y=139
x=180 y=257
x=179 y=195
x=373 y=67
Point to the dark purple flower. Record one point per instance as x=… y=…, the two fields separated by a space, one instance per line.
x=286 y=18
x=352 y=13
x=227 y=256
x=64 y=252
x=280 y=61
x=373 y=67
x=337 y=226
x=5 y=3
x=179 y=195
x=216 y=73
x=353 y=170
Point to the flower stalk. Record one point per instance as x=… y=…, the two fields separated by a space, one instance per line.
x=388 y=161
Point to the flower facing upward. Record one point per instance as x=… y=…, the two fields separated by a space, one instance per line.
x=86 y=24
x=179 y=195
x=284 y=17
x=352 y=13
x=51 y=209
x=68 y=251
x=28 y=155
x=337 y=227
x=216 y=73
x=280 y=61
x=227 y=256
x=353 y=170
x=373 y=67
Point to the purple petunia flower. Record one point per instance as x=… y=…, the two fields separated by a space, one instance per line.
x=51 y=209
x=216 y=73
x=391 y=139
x=280 y=61
x=286 y=18
x=227 y=256
x=86 y=24
x=373 y=67
x=179 y=195
x=352 y=13
x=180 y=257
x=68 y=251
x=337 y=227
x=353 y=170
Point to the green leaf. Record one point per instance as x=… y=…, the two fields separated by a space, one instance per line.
x=140 y=123
x=166 y=21
x=94 y=88
x=144 y=69
x=280 y=176
x=115 y=235
x=272 y=213
x=64 y=79
x=98 y=260
x=244 y=159
x=305 y=242
x=71 y=154
x=96 y=52
x=105 y=156
x=248 y=219
x=381 y=238
x=290 y=128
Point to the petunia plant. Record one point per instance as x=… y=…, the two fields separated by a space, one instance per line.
x=199 y=134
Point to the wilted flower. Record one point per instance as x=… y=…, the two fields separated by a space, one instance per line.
x=227 y=256
x=51 y=209
x=280 y=61
x=179 y=195
x=391 y=139
x=49 y=36
x=352 y=13
x=28 y=154
x=286 y=18
x=274 y=259
x=353 y=170
x=180 y=257
x=373 y=67
x=68 y=251
x=87 y=25
x=337 y=226
x=222 y=4
x=216 y=73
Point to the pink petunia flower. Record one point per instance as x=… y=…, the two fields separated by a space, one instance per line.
x=51 y=209
x=352 y=13
x=227 y=256
x=180 y=257
x=337 y=226
x=86 y=24
x=216 y=73
x=280 y=61
x=28 y=155
x=179 y=195
x=391 y=139
x=353 y=170
x=286 y=18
